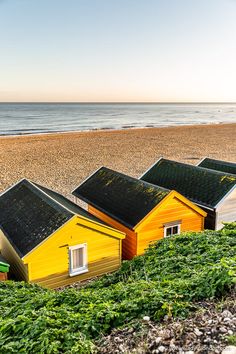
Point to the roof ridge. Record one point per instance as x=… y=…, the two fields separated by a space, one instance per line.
x=221 y=173
x=136 y=179
x=38 y=187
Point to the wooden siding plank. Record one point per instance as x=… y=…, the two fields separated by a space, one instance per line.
x=49 y=263
x=129 y=244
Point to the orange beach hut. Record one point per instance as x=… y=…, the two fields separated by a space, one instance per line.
x=143 y=211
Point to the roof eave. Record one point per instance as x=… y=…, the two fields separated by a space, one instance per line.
x=129 y=226
x=86 y=179
x=102 y=225
x=225 y=196
x=43 y=241
x=204 y=158
x=150 y=167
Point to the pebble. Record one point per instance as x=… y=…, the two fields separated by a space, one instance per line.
x=146 y=318
x=165 y=334
x=226 y=313
x=231 y=349
x=121 y=348
x=197 y=332
x=223 y=330
x=161 y=349
x=158 y=340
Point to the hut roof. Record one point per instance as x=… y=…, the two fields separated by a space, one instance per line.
x=201 y=185
x=219 y=165
x=29 y=213
x=125 y=199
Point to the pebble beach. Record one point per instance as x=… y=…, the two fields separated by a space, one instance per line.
x=61 y=161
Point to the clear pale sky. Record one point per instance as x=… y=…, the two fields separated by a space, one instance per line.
x=118 y=50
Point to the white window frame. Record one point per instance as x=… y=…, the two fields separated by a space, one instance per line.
x=170 y=227
x=84 y=268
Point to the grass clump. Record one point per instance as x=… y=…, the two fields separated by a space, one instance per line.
x=172 y=274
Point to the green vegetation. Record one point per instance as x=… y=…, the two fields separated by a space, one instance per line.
x=231 y=339
x=172 y=274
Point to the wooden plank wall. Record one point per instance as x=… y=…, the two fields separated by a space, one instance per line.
x=49 y=263
x=152 y=228
x=129 y=244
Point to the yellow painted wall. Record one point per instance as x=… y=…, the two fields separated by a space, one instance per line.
x=173 y=209
x=129 y=244
x=48 y=264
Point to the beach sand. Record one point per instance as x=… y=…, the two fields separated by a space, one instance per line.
x=62 y=161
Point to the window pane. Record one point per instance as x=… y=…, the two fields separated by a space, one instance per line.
x=77 y=258
x=168 y=231
x=175 y=230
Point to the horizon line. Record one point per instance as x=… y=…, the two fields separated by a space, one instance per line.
x=117 y=102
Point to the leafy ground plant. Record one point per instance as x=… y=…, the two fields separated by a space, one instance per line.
x=172 y=274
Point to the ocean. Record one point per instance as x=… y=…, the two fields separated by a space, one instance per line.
x=39 y=118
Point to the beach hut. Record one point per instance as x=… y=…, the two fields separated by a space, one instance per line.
x=145 y=212
x=214 y=191
x=50 y=241
x=4 y=268
x=218 y=165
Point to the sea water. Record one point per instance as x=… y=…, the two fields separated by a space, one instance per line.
x=38 y=118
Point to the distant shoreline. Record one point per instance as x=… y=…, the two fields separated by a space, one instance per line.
x=53 y=118
x=125 y=128
x=63 y=160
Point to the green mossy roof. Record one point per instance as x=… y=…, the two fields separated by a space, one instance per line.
x=125 y=199
x=218 y=165
x=200 y=185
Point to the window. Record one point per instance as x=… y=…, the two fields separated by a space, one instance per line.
x=170 y=230
x=78 y=259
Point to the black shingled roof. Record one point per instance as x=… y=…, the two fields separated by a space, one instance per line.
x=218 y=165
x=201 y=185
x=125 y=199
x=28 y=216
x=29 y=213
x=74 y=208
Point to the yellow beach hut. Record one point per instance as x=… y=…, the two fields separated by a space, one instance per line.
x=143 y=211
x=50 y=241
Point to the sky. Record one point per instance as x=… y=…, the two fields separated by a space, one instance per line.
x=118 y=50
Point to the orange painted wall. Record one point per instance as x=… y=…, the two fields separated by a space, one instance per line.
x=173 y=209
x=129 y=244
x=152 y=227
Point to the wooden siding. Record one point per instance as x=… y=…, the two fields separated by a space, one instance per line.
x=172 y=209
x=226 y=212
x=151 y=228
x=17 y=268
x=129 y=244
x=48 y=264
